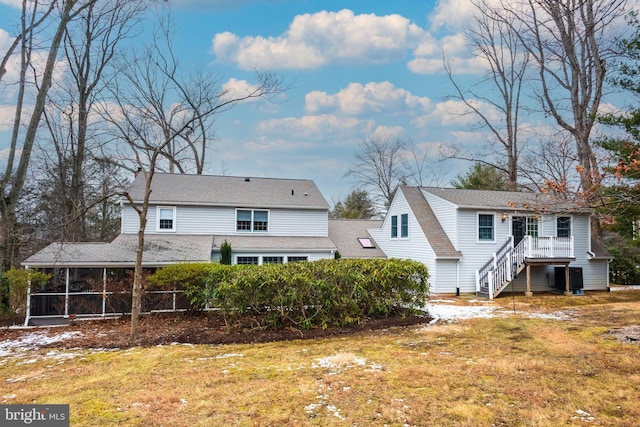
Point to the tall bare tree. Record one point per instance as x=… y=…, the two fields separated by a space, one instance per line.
x=90 y=44
x=13 y=179
x=550 y=166
x=570 y=42
x=499 y=45
x=379 y=166
x=154 y=109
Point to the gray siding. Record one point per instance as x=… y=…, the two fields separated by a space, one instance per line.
x=222 y=220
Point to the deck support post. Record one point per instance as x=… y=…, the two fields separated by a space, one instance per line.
x=567 y=289
x=528 y=293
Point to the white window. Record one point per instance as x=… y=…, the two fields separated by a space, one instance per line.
x=563 y=226
x=394 y=226
x=252 y=220
x=404 y=225
x=247 y=260
x=486 y=228
x=166 y=219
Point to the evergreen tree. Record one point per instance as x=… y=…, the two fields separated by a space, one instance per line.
x=483 y=176
x=356 y=205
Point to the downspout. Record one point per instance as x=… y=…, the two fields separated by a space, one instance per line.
x=66 y=294
x=458 y=277
x=104 y=291
x=27 y=315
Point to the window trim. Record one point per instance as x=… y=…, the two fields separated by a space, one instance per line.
x=394 y=226
x=404 y=226
x=493 y=227
x=173 y=219
x=247 y=257
x=570 y=228
x=253 y=220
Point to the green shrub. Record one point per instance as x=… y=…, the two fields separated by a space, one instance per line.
x=189 y=277
x=18 y=282
x=225 y=253
x=317 y=294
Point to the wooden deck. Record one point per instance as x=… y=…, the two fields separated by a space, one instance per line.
x=509 y=261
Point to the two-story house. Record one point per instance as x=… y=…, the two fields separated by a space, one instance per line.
x=471 y=240
x=490 y=241
x=265 y=220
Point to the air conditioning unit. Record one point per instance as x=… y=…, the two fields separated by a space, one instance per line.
x=575 y=278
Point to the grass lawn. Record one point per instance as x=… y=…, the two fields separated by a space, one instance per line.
x=510 y=370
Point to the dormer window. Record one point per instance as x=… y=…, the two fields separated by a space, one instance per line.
x=252 y=220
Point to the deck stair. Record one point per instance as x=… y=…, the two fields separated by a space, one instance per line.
x=509 y=261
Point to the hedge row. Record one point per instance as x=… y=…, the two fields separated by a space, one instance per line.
x=302 y=294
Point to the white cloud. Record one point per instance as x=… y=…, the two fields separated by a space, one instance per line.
x=322 y=127
x=238 y=89
x=269 y=145
x=13 y=3
x=373 y=97
x=457 y=113
x=451 y=14
x=389 y=132
x=314 y=40
x=7 y=114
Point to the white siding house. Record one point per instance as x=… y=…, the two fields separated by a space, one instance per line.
x=264 y=220
x=485 y=241
x=470 y=240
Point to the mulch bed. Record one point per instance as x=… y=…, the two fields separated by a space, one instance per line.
x=202 y=329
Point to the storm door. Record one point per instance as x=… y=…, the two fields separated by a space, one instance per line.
x=523 y=226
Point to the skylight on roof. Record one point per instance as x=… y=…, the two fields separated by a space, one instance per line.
x=366 y=242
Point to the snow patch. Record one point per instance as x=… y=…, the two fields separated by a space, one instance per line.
x=32 y=341
x=449 y=313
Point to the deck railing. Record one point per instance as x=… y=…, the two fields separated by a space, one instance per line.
x=94 y=305
x=508 y=261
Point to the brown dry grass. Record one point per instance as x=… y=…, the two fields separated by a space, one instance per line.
x=505 y=371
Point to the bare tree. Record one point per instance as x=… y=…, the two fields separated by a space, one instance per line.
x=550 y=167
x=379 y=166
x=90 y=44
x=13 y=180
x=570 y=42
x=154 y=108
x=499 y=45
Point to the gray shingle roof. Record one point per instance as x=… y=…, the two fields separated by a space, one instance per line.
x=345 y=234
x=235 y=191
x=599 y=251
x=159 y=250
x=429 y=224
x=507 y=200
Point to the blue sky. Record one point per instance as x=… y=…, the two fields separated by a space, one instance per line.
x=357 y=69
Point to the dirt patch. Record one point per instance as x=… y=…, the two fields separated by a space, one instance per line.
x=203 y=329
x=628 y=334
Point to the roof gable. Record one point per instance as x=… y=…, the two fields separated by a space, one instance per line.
x=507 y=200
x=213 y=190
x=431 y=227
